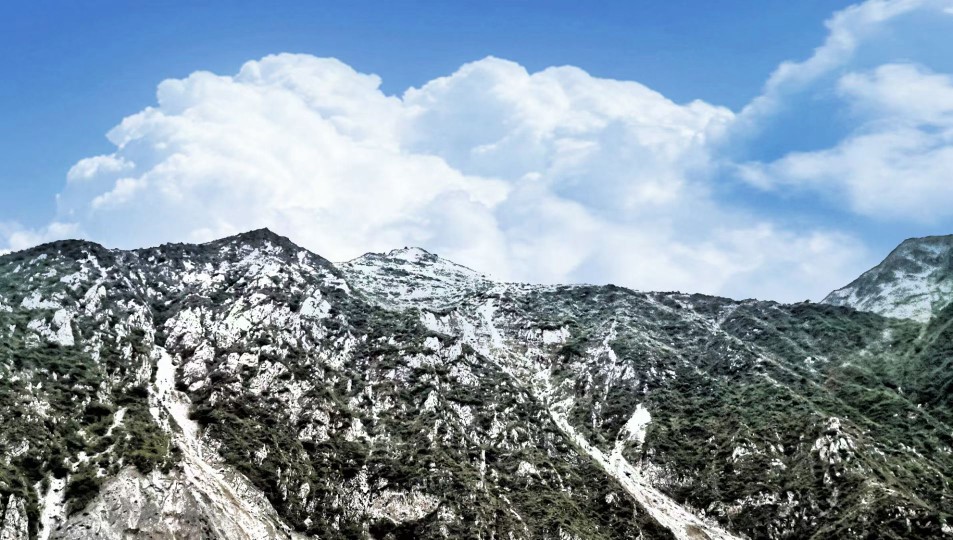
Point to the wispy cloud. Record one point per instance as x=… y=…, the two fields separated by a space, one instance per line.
x=847 y=31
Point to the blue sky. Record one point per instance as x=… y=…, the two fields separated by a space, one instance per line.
x=77 y=68
x=781 y=180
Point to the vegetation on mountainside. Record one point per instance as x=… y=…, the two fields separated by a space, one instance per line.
x=748 y=398
x=777 y=421
x=58 y=401
x=410 y=448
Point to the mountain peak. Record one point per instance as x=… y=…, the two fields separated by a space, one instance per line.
x=935 y=244
x=413 y=276
x=71 y=248
x=412 y=254
x=263 y=238
x=257 y=236
x=914 y=281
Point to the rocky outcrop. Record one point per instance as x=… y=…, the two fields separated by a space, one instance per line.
x=158 y=505
x=15 y=525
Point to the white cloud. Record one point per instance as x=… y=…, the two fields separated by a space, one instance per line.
x=847 y=30
x=904 y=94
x=90 y=167
x=554 y=176
x=18 y=237
x=893 y=160
x=896 y=165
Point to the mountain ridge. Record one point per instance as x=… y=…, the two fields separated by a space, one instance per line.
x=405 y=396
x=866 y=296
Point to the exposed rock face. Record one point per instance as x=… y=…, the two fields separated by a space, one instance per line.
x=247 y=388
x=915 y=281
x=15 y=524
x=173 y=505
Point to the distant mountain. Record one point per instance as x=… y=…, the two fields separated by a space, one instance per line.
x=915 y=281
x=249 y=389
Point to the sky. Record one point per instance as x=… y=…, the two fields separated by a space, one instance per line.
x=748 y=149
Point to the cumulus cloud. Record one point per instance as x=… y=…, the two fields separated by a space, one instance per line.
x=549 y=176
x=554 y=176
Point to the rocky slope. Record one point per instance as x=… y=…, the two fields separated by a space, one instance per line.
x=915 y=281
x=247 y=388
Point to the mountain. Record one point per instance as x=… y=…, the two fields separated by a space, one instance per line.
x=915 y=281
x=247 y=388
x=413 y=277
